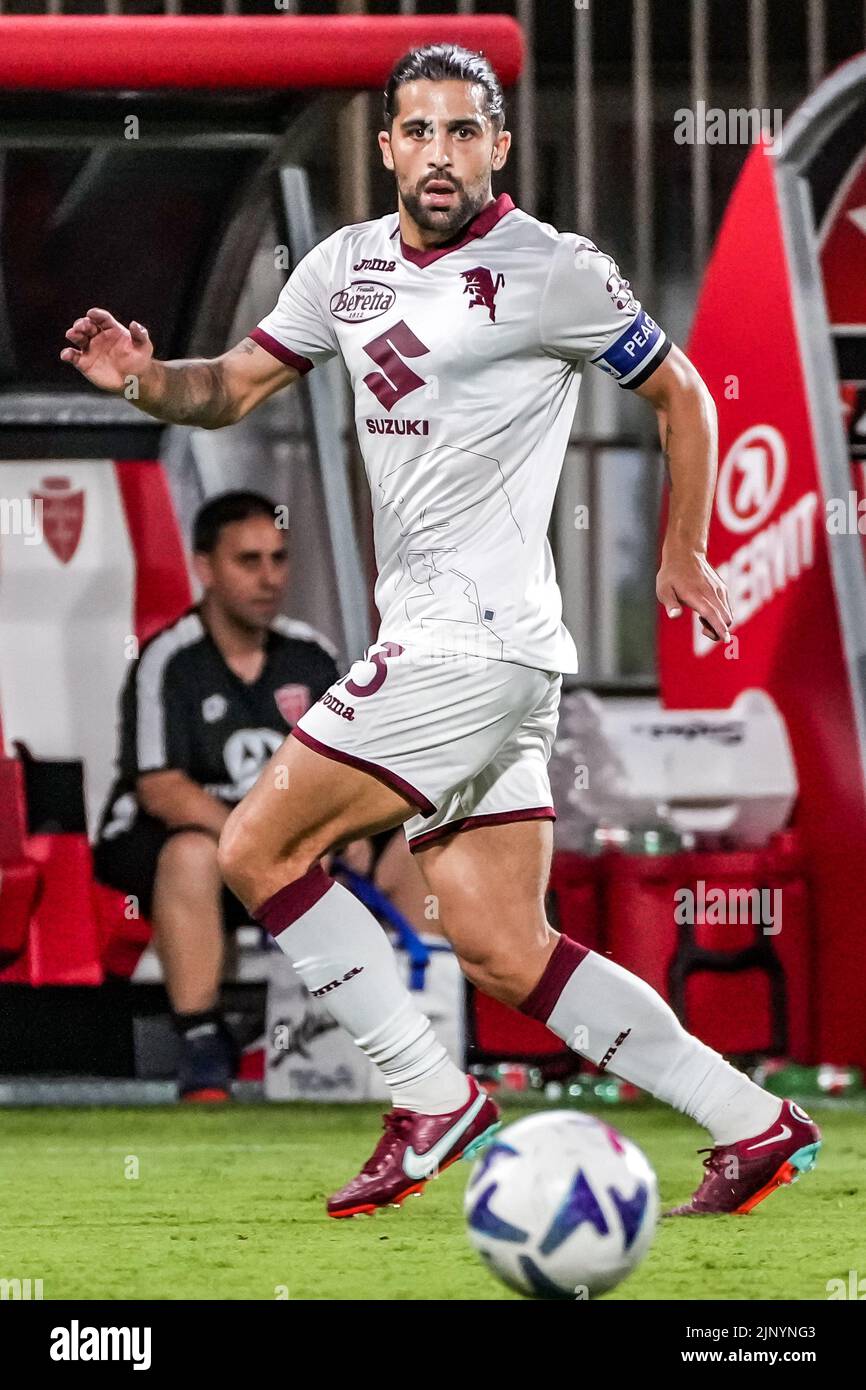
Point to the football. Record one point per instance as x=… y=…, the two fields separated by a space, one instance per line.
x=562 y=1206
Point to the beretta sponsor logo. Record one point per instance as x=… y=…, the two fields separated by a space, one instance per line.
x=362 y=300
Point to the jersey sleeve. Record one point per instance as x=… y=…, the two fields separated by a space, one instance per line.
x=157 y=723
x=588 y=311
x=299 y=329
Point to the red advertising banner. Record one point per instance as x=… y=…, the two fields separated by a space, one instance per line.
x=769 y=541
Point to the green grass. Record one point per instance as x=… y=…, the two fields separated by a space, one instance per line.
x=230 y=1204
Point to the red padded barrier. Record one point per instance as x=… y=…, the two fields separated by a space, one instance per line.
x=19 y=877
x=62 y=945
x=162 y=588
x=62 y=52
x=123 y=939
x=730 y=1010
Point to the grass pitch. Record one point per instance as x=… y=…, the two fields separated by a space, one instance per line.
x=197 y=1203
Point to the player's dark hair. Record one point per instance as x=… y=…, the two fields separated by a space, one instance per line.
x=446 y=62
x=221 y=511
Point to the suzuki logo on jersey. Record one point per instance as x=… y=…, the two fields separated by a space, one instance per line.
x=397 y=426
x=62 y=516
x=362 y=300
x=396 y=378
x=481 y=285
x=383 y=267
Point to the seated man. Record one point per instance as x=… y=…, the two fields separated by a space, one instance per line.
x=208 y=701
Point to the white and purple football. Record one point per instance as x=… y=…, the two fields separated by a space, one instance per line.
x=561 y=1205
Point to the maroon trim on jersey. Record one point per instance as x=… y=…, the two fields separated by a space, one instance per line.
x=565 y=958
x=454 y=827
x=382 y=774
x=480 y=225
x=283 y=354
x=288 y=904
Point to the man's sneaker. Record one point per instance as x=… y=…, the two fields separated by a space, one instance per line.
x=415 y=1148
x=208 y=1056
x=741 y=1175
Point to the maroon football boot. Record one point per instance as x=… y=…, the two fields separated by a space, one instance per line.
x=741 y=1175
x=415 y=1148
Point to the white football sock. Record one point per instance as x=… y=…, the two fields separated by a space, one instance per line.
x=603 y=1011
x=333 y=940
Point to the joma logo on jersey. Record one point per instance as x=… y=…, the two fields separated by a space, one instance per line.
x=384 y=267
x=331 y=702
x=362 y=300
x=483 y=289
x=398 y=426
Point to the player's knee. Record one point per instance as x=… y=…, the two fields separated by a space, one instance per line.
x=250 y=866
x=493 y=973
x=188 y=851
x=507 y=973
x=238 y=854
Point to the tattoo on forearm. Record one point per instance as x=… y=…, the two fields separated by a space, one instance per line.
x=191 y=393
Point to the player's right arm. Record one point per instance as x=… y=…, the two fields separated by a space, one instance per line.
x=208 y=392
x=177 y=800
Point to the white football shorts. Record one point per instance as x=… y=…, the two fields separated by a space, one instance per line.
x=468 y=739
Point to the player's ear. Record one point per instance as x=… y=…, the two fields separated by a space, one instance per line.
x=385 y=147
x=202 y=567
x=500 y=150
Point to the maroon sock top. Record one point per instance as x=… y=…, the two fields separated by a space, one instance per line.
x=291 y=902
x=566 y=957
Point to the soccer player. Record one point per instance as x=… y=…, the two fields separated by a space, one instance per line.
x=465 y=325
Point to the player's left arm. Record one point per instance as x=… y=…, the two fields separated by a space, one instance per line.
x=688 y=431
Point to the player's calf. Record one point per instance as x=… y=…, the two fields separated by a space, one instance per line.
x=505 y=972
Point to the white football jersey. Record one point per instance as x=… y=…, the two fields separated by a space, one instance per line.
x=465 y=363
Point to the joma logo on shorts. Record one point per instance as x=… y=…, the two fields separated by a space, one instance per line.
x=331 y=702
x=335 y=984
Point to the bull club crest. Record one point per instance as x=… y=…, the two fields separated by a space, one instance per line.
x=483 y=288
x=293 y=701
x=62 y=516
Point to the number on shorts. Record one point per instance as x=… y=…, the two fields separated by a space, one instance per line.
x=378 y=659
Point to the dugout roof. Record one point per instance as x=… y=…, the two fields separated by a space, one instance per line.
x=64 y=52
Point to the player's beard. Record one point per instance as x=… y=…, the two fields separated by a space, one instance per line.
x=446 y=222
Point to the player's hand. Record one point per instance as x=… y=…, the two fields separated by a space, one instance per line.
x=687 y=580
x=107 y=353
